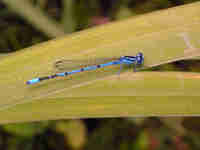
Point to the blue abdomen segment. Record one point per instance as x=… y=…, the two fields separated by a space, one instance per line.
x=33 y=81
x=74 y=71
x=90 y=68
x=61 y=74
x=110 y=63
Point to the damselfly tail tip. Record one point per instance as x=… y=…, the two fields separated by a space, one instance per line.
x=33 y=81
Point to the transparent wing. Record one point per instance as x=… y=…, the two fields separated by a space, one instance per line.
x=66 y=64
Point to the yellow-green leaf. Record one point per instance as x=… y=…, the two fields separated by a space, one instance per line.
x=163 y=36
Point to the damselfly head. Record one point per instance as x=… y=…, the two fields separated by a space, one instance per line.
x=140 y=58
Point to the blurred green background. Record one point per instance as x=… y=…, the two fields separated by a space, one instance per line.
x=19 y=30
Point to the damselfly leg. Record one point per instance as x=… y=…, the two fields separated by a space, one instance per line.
x=120 y=70
x=134 y=67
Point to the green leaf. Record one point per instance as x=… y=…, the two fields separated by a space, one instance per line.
x=25 y=129
x=35 y=16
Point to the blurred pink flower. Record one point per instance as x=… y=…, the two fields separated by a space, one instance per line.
x=180 y=145
x=98 y=20
x=154 y=143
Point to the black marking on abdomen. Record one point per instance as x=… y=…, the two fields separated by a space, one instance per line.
x=98 y=66
x=54 y=76
x=44 y=78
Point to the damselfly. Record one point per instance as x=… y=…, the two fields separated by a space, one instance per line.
x=128 y=60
